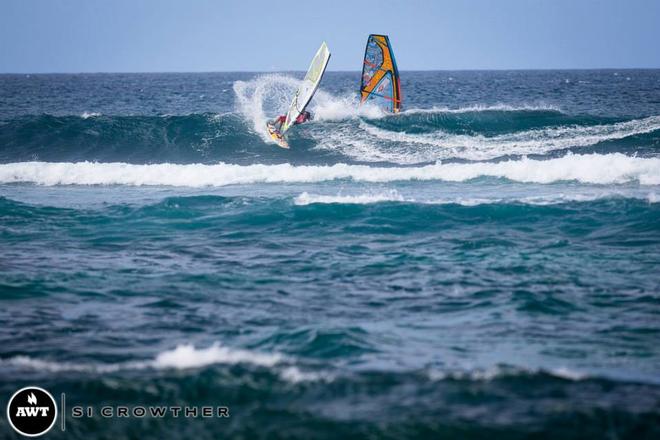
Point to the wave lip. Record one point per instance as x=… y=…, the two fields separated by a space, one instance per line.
x=614 y=168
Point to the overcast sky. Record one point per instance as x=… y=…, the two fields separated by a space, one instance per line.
x=224 y=35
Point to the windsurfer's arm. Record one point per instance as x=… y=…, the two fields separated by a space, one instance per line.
x=278 y=121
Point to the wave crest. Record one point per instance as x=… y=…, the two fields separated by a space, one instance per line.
x=615 y=168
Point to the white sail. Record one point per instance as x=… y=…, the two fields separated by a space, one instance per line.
x=308 y=87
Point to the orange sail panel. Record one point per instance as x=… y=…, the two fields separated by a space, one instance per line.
x=380 y=76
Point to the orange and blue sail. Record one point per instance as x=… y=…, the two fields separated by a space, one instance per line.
x=380 y=76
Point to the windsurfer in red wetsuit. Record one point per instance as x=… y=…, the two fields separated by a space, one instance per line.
x=303 y=117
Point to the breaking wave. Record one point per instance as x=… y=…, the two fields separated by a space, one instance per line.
x=614 y=168
x=341 y=132
x=372 y=143
x=182 y=357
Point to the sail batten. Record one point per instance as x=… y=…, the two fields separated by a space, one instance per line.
x=380 y=75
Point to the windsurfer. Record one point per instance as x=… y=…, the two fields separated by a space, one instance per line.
x=302 y=118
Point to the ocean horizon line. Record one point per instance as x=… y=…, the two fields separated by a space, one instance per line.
x=156 y=72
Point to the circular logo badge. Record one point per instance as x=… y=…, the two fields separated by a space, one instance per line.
x=32 y=411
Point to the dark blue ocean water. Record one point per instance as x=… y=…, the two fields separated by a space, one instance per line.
x=484 y=264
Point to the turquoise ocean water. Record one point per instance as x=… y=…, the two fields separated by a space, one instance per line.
x=486 y=263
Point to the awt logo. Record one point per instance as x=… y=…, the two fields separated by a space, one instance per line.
x=32 y=411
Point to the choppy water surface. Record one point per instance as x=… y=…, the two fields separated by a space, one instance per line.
x=484 y=264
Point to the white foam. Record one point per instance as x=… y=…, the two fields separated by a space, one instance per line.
x=372 y=197
x=27 y=362
x=87 y=115
x=483 y=108
x=181 y=358
x=567 y=373
x=361 y=199
x=187 y=356
x=264 y=98
x=295 y=375
x=369 y=143
x=615 y=168
x=327 y=107
x=494 y=372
